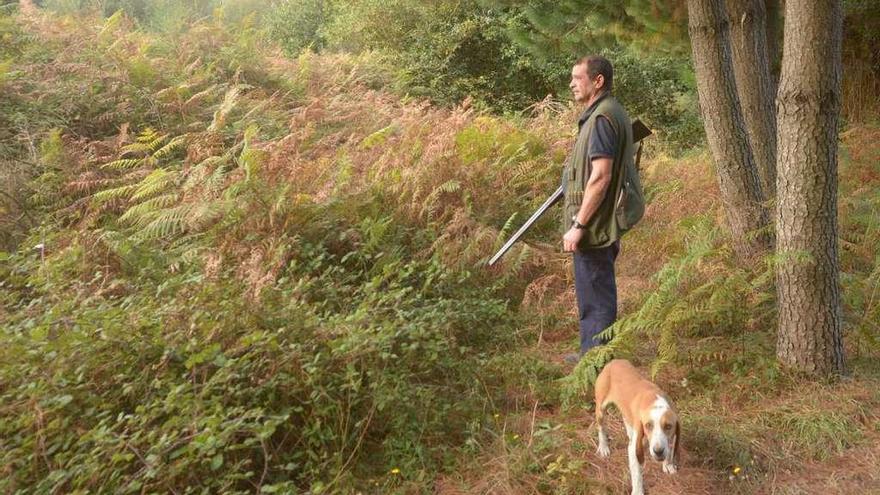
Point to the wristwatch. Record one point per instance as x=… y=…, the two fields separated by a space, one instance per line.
x=577 y=224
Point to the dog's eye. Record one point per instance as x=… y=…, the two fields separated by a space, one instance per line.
x=649 y=426
x=667 y=427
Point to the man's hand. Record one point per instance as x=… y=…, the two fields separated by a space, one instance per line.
x=571 y=239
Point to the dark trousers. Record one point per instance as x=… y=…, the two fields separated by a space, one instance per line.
x=596 y=292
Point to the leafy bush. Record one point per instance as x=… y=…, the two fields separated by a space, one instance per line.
x=203 y=313
x=332 y=370
x=298 y=24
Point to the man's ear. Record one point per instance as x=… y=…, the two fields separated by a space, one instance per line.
x=600 y=81
x=640 y=442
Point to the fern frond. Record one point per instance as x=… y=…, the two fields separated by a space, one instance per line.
x=281 y=203
x=230 y=99
x=213 y=161
x=118 y=243
x=200 y=96
x=135 y=149
x=505 y=230
x=156 y=182
x=157 y=143
x=216 y=180
x=175 y=144
x=147 y=136
x=166 y=223
x=667 y=350
x=142 y=213
x=110 y=25
x=122 y=192
x=449 y=186
x=124 y=164
x=250 y=159
x=199 y=173
x=201 y=215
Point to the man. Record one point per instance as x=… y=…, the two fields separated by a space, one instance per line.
x=593 y=180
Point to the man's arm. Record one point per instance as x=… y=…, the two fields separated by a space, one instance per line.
x=594 y=193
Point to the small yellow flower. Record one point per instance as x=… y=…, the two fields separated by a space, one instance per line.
x=515 y=437
x=736 y=469
x=395 y=471
x=496 y=416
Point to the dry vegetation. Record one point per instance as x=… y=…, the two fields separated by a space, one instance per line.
x=205 y=195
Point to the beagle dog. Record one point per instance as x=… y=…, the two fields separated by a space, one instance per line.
x=651 y=422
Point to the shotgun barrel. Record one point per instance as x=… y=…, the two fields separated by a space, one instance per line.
x=552 y=200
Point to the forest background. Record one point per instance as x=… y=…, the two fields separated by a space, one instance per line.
x=243 y=246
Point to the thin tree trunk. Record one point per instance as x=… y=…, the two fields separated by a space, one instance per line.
x=809 y=335
x=748 y=41
x=725 y=130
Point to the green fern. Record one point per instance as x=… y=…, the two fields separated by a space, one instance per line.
x=115 y=193
x=171 y=146
x=166 y=223
x=141 y=213
x=682 y=303
x=123 y=164
x=158 y=181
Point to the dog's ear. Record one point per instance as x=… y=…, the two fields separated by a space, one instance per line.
x=640 y=442
x=675 y=452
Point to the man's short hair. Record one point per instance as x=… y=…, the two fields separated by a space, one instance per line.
x=597 y=64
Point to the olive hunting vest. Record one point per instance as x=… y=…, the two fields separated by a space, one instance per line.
x=624 y=202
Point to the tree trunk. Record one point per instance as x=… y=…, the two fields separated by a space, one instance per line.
x=808 y=105
x=748 y=41
x=772 y=10
x=725 y=130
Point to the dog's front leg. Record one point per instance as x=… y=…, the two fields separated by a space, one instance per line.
x=635 y=467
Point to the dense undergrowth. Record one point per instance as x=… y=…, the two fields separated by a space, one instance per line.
x=243 y=281
x=228 y=271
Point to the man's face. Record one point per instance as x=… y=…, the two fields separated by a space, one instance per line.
x=581 y=85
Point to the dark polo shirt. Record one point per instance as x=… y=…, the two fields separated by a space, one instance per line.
x=603 y=140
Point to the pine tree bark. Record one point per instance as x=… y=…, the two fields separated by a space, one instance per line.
x=737 y=174
x=809 y=334
x=751 y=68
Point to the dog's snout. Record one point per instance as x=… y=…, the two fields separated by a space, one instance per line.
x=658 y=451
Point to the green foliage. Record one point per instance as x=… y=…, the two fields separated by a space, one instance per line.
x=690 y=300
x=189 y=390
x=257 y=273
x=446 y=51
x=489 y=138
x=167 y=16
x=662 y=92
x=298 y=24
x=198 y=321
x=582 y=26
